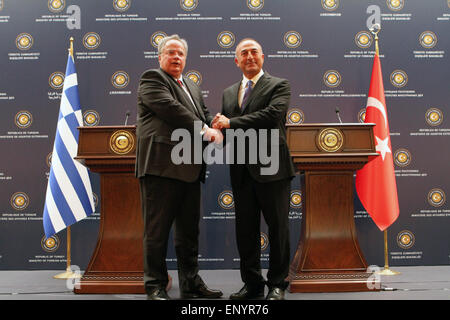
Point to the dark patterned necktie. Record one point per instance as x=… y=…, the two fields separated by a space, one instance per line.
x=247 y=92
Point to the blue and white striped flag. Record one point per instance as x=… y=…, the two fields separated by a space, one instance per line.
x=69 y=197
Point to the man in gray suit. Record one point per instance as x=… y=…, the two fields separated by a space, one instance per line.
x=259 y=101
x=170 y=193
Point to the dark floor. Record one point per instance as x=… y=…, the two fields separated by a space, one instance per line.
x=413 y=283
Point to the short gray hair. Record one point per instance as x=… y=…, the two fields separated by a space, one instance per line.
x=164 y=40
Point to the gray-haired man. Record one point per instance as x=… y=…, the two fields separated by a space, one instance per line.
x=170 y=193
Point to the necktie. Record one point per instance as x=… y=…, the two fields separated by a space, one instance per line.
x=180 y=83
x=247 y=92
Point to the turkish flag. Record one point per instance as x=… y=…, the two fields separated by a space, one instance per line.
x=375 y=182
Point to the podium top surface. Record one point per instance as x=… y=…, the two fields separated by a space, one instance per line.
x=331 y=140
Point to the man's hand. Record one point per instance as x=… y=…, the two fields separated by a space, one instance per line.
x=220 y=122
x=213 y=135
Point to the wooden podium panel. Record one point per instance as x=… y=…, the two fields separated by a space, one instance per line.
x=328 y=256
x=116 y=265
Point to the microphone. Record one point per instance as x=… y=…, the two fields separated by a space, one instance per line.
x=337 y=113
x=127 y=115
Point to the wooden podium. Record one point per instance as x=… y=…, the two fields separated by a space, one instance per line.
x=116 y=265
x=328 y=256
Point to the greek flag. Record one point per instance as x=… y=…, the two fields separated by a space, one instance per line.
x=69 y=197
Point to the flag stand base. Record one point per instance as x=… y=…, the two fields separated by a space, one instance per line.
x=388 y=272
x=69 y=274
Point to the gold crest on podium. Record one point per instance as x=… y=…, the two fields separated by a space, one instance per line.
x=121 y=142
x=330 y=139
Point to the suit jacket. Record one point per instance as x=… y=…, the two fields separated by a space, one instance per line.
x=163 y=106
x=265 y=109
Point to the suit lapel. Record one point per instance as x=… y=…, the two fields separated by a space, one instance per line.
x=234 y=95
x=182 y=96
x=259 y=87
x=191 y=89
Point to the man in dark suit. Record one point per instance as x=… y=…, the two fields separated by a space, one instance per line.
x=170 y=192
x=259 y=101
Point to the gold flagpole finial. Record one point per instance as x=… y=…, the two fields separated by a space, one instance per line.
x=71 y=47
x=374 y=29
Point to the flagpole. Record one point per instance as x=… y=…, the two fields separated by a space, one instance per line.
x=69 y=274
x=386 y=271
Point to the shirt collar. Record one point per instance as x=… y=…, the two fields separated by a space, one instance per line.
x=254 y=79
x=180 y=78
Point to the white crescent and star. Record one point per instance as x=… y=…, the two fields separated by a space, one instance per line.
x=382 y=144
x=375 y=103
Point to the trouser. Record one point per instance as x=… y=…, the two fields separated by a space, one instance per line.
x=272 y=199
x=166 y=201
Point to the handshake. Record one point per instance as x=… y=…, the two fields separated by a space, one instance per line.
x=214 y=134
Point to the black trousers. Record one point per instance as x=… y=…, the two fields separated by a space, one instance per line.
x=165 y=202
x=272 y=199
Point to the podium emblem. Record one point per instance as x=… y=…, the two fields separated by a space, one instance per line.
x=330 y=139
x=121 y=142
